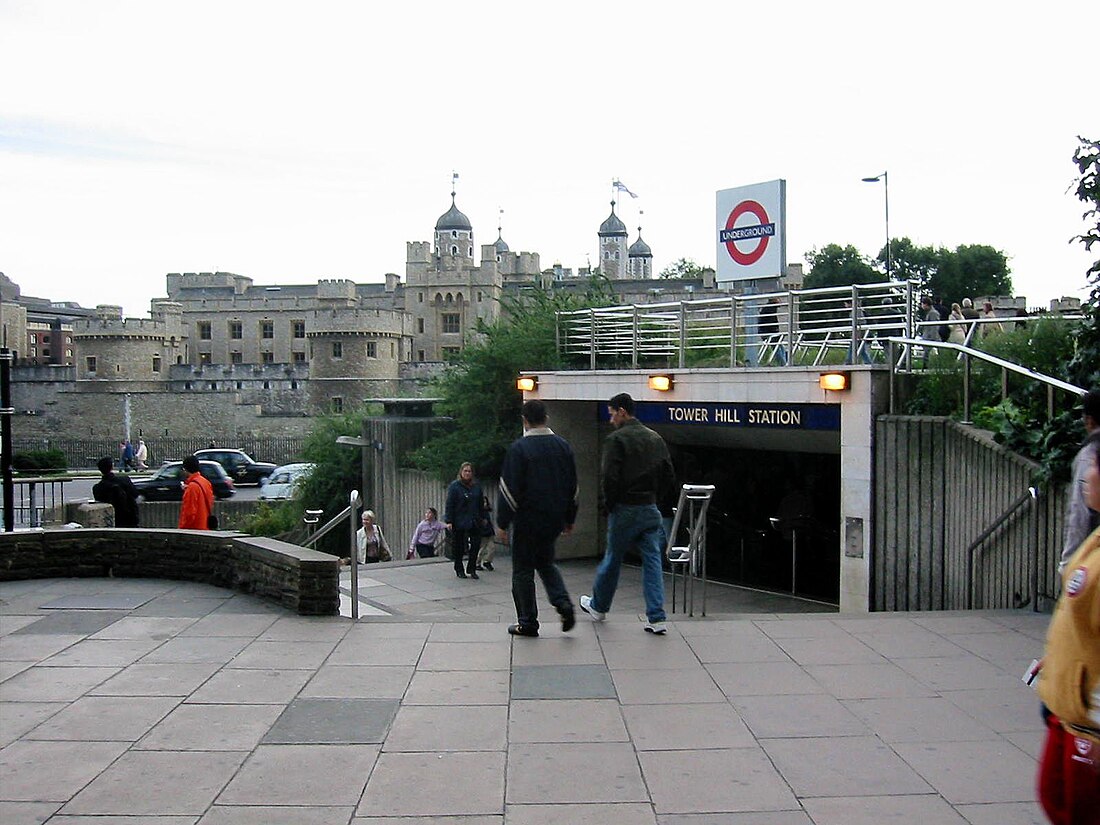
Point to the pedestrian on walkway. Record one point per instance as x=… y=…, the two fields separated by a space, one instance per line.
x=198 y=498
x=426 y=535
x=370 y=542
x=1069 y=684
x=538 y=500
x=463 y=516
x=1080 y=518
x=636 y=477
x=119 y=492
x=141 y=455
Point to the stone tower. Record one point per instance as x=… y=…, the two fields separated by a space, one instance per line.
x=640 y=258
x=613 y=251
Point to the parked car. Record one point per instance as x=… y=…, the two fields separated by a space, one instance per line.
x=240 y=466
x=284 y=482
x=166 y=484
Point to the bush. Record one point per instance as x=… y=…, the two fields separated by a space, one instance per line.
x=273 y=519
x=39 y=461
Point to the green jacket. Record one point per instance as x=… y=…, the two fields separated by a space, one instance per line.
x=636 y=469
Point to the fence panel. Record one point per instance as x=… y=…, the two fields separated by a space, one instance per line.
x=85 y=452
x=939 y=486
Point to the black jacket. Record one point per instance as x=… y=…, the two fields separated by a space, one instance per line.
x=463 y=508
x=637 y=469
x=120 y=493
x=538 y=484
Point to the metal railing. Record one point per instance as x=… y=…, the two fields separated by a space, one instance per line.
x=901 y=354
x=350 y=512
x=799 y=326
x=691 y=558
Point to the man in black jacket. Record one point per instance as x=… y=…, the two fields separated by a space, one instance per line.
x=119 y=492
x=637 y=481
x=538 y=501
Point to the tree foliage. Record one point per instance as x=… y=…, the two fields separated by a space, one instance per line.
x=683 y=268
x=478 y=390
x=834 y=265
x=964 y=272
x=1084 y=369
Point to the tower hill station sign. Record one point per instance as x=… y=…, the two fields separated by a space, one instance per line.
x=771 y=416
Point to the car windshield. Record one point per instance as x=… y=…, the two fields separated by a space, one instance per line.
x=280 y=478
x=171 y=471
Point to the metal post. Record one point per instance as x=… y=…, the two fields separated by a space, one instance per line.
x=733 y=331
x=966 y=389
x=592 y=339
x=683 y=334
x=634 y=338
x=352 y=518
x=6 y=413
x=892 y=354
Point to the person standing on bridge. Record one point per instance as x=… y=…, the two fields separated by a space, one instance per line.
x=636 y=478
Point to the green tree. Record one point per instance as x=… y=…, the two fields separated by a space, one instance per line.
x=478 y=390
x=1084 y=369
x=834 y=265
x=683 y=268
x=964 y=272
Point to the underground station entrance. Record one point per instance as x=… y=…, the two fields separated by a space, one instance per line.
x=772 y=521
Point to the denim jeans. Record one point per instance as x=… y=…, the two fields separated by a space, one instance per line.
x=638 y=526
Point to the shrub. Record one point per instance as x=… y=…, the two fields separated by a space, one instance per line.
x=40 y=461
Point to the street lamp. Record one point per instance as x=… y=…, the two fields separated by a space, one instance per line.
x=885 y=178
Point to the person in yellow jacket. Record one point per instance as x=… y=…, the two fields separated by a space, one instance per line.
x=1069 y=685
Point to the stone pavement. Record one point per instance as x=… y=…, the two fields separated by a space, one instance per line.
x=157 y=702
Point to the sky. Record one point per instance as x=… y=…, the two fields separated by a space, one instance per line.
x=292 y=141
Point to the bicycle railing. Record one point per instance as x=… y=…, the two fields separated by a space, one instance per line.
x=692 y=557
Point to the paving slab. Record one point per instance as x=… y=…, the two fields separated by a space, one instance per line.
x=462 y=784
x=302 y=775
x=107 y=601
x=333 y=721
x=562 y=682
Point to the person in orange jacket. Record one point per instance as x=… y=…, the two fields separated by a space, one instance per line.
x=198 y=498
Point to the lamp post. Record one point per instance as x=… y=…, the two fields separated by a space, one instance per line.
x=885 y=178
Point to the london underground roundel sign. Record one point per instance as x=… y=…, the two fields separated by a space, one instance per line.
x=760 y=230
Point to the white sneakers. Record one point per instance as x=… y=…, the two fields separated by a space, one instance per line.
x=657 y=628
x=586 y=606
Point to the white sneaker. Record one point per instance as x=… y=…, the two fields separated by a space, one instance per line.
x=586 y=606
x=657 y=628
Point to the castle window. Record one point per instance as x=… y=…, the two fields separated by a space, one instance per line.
x=236 y=358
x=213 y=385
x=298 y=357
x=240 y=384
x=187 y=385
x=454 y=233
x=34 y=338
x=34 y=351
x=267 y=329
x=204 y=357
x=204 y=330
x=454 y=250
x=267 y=357
x=450 y=322
x=46 y=353
x=372 y=349
x=420 y=355
x=480 y=297
x=470 y=251
x=156 y=363
x=118 y=367
x=337 y=404
x=420 y=297
x=294 y=385
x=236 y=330
x=392 y=351
x=420 y=325
x=267 y=385
x=337 y=349
x=68 y=353
x=299 y=329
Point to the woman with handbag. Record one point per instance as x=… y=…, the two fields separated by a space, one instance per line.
x=371 y=542
x=463 y=515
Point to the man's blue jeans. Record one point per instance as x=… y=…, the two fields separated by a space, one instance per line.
x=638 y=526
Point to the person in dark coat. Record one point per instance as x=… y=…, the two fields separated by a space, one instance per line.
x=463 y=516
x=119 y=492
x=538 y=500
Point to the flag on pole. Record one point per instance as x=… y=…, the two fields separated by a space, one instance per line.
x=621 y=187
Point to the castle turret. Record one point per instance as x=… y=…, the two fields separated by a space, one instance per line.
x=454 y=237
x=640 y=264
x=613 y=251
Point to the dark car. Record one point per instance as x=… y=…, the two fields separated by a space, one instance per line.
x=166 y=483
x=241 y=468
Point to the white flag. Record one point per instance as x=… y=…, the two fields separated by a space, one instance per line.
x=621 y=187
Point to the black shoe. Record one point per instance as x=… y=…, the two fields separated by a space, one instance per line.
x=520 y=630
x=568 y=620
x=488 y=566
x=460 y=573
x=480 y=567
x=474 y=575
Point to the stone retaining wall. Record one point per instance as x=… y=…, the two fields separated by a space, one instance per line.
x=299 y=579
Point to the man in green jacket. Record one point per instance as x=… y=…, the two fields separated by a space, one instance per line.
x=636 y=477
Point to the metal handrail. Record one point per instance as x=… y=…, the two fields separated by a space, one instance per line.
x=1029 y=497
x=693 y=556
x=349 y=511
x=965 y=354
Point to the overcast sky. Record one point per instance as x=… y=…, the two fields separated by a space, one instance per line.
x=294 y=141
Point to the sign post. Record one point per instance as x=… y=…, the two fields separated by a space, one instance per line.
x=751 y=224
